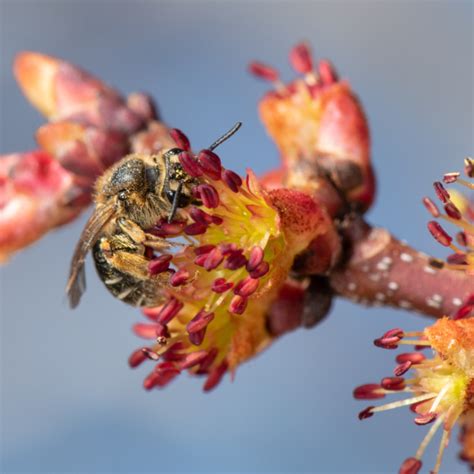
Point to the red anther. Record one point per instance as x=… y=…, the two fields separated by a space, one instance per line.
x=449 y=178
x=163 y=229
x=469 y=167
x=208 y=361
x=260 y=270
x=255 y=258
x=197 y=337
x=220 y=285
x=204 y=249
x=439 y=233
x=413 y=357
x=246 y=287
x=233 y=180
x=366 y=413
x=441 y=192
x=410 y=466
x=198 y=215
x=174 y=356
x=208 y=195
x=162 y=333
x=190 y=164
x=414 y=407
x=431 y=207
x=159 y=265
x=136 y=358
x=150 y=381
x=214 y=259
x=327 y=73
x=425 y=418
x=152 y=313
x=301 y=59
x=193 y=359
x=262 y=71
x=228 y=249
x=457 y=259
x=165 y=367
x=387 y=342
x=215 y=376
x=217 y=220
x=199 y=322
x=461 y=239
x=201 y=259
x=395 y=332
x=197 y=228
x=393 y=383
x=179 y=278
x=238 y=304
x=369 y=391
x=210 y=164
x=169 y=310
x=147 y=331
x=150 y=353
x=235 y=260
x=401 y=369
x=180 y=139
x=452 y=211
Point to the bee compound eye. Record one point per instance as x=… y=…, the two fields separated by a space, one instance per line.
x=170 y=195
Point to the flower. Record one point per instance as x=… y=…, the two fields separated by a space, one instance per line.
x=317 y=122
x=458 y=212
x=240 y=244
x=91 y=127
x=441 y=388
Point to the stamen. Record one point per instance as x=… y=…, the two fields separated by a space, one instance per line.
x=197 y=337
x=442 y=445
x=366 y=413
x=193 y=359
x=137 y=357
x=370 y=391
x=450 y=178
x=215 y=376
x=150 y=354
x=238 y=304
x=169 y=310
x=327 y=73
x=208 y=195
x=393 y=383
x=159 y=264
x=441 y=192
x=413 y=357
x=197 y=228
x=179 y=278
x=199 y=322
x=267 y=73
x=431 y=207
x=439 y=233
x=235 y=260
x=180 y=139
x=233 y=180
x=261 y=270
x=210 y=164
x=452 y=211
x=190 y=164
x=429 y=437
x=410 y=466
x=255 y=258
x=402 y=403
x=147 y=331
x=220 y=285
x=402 y=368
x=425 y=418
x=246 y=287
x=214 y=259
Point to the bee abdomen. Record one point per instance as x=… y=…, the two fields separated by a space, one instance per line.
x=130 y=290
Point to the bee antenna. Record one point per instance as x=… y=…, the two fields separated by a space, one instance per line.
x=226 y=135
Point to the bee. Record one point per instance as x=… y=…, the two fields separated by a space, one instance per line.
x=130 y=197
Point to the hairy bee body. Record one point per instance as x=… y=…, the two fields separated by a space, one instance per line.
x=122 y=285
x=130 y=198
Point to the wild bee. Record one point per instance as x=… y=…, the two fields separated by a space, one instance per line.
x=132 y=196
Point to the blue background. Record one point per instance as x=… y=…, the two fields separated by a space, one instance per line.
x=69 y=402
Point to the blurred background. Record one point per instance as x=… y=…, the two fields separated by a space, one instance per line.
x=69 y=402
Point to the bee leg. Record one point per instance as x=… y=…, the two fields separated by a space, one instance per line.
x=138 y=236
x=174 y=205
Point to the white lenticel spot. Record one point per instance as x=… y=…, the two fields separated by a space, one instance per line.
x=393 y=285
x=406 y=257
x=457 y=301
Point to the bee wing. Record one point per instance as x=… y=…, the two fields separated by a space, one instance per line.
x=76 y=284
